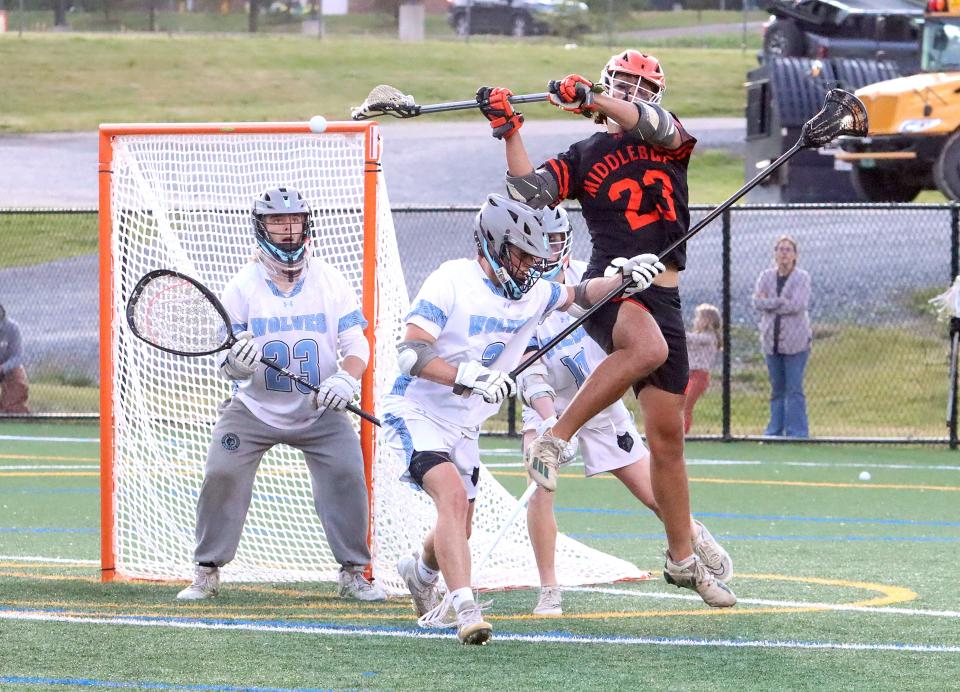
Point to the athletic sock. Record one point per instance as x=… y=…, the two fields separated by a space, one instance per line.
x=426 y=574
x=461 y=596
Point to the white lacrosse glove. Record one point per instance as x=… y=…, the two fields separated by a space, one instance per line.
x=336 y=391
x=242 y=358
x=493 y=385
x=569 y=453
x=642 y=270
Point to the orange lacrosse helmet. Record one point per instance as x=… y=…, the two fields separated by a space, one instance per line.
x=651 y=82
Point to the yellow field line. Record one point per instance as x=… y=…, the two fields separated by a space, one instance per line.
x=46 y=474
x=29 y=457
x=808 y=484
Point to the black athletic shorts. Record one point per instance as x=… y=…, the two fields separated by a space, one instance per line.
x=664 y=305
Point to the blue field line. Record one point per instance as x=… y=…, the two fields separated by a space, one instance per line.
x=86 y=682
x=28 y=529
x=730 y=537
x=764 y=517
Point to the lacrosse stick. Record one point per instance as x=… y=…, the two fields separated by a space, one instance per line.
x=843 y=114
x=388 y=100
x=947 y=305
x=521 y=504
x=175 y=313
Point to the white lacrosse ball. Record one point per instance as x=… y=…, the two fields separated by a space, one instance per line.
x=864 y=475
x=318 y=123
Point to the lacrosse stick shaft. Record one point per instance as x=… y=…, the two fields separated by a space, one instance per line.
x=464 y=105
x=521 y=504
x=296 y=378
x=952 y=396
x=573 y=326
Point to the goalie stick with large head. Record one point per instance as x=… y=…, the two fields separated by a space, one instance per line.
x=388 y=100
x=842 y=115
x=177 y=314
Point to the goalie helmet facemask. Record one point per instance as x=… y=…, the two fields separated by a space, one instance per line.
x=557 y=226
x=284 y=247
x=633 y=76
x=512 y=237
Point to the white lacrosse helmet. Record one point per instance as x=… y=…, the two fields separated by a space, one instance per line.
x=290 y=258
x=650 y=80
x=557 y=224
x=502 y=223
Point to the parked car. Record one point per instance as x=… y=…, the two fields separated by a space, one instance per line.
x=869 y=29
x=518 y=17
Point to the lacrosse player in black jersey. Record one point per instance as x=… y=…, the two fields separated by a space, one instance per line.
x=631 y=181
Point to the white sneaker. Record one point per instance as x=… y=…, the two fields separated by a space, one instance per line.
x=550 y=603
x=426 y=596
x=542 y=460
x=712 y=554
x=471 y=627
x=206 y=584
x=353 y=584
x=693 y=574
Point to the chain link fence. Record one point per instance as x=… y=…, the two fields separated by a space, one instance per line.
x=879 y=364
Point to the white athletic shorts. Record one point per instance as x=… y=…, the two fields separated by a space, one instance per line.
x=407 y=428
x=608 y=442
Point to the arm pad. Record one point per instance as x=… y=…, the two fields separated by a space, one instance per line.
x=537 y=189
x=413 y=356
x=533 y=384
x=354 y=343
x=655 y=125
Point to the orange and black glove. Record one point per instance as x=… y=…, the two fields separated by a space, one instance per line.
x=572 y=93
x=499 y=111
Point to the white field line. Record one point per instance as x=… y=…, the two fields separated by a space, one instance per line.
x=178 y=623
x=52 y=560
x=32 y=438
x=774 y=604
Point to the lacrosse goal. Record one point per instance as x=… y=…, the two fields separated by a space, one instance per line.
x=179 y=197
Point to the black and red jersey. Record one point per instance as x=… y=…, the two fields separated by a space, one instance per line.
x=634 y=195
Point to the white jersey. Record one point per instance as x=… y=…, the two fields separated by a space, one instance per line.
x=471 y=319
x=299 y=332
x=573 y=359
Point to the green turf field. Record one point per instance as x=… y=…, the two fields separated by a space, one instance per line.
x=843 y=584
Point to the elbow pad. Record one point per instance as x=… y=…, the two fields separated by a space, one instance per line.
x=537 y=189
x=655 y=125
x=533 y=384
x=413 y=356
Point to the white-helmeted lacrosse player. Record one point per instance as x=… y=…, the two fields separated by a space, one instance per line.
x=608 y=442
x=302 y=314
x=467 y=329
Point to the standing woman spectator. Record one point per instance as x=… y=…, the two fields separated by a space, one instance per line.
x=703 y=343
x=782 y=296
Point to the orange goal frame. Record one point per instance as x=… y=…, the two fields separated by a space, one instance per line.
x=369 y=298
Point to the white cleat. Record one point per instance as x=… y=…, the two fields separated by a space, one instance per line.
x=550 y=602
x=353 y=584
x=693 y=574
x=714 y=557
x=542 y=460
x=426 y=596
x=471 y=627
x=206 y=584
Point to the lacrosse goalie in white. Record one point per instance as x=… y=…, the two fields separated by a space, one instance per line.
x=299 y=312
x=468 y=328
x=608 y=442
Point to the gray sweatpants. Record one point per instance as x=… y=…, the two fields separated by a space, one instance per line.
x=331 y=449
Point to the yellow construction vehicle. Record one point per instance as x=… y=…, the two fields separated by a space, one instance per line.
x=914 y=138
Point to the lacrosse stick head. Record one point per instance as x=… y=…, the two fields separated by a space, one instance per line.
x=386 y=100
x=947 y=304
x=843 y=114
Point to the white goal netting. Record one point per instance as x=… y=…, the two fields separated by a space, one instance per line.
x=182 y=201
